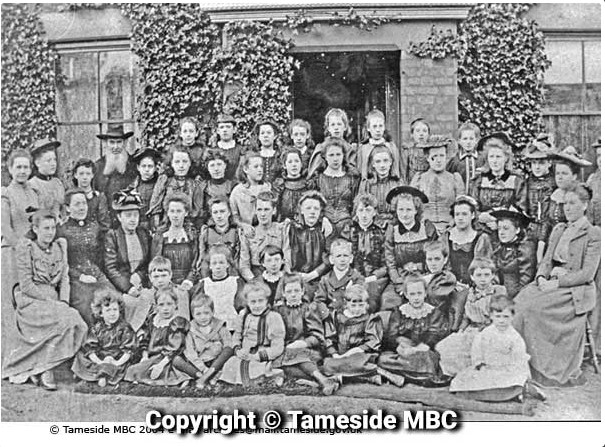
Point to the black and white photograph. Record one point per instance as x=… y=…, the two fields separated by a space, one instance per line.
x=263 y=218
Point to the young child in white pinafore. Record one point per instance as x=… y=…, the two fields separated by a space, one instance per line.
x=221 y=286
x=499 y=362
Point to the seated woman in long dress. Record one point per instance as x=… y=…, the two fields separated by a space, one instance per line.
x=84 y=253
x=552 y=311
x=50 y=331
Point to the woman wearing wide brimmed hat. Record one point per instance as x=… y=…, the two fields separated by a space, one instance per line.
x=551 y=312
x=498 y=186
x=568 y=164
x=50 y=189
x=50 y=331
x=127 y=249
x=540 y=185
x=404 y=241
x=514 y=255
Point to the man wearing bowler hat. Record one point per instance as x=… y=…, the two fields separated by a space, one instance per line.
x=115 y=169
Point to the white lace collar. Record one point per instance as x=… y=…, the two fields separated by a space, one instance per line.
x=161 y=322
x=415 y=313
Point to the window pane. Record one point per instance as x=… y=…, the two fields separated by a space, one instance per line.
x=77 y=141
x=566 y=60
x=592 y=98
x=117 y=93
x=592 y=61
x=77 y=87
x=563 y=97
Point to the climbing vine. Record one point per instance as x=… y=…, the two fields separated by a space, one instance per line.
x=501 y=64
x=28 y=79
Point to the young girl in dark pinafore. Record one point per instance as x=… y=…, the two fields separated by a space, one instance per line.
x=291 y=186
x=110 y=344
x=413 y=160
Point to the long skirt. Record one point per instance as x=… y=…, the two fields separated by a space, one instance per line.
x=553 y=333
x=491 y=377
x=90 y=371
x=9 y=315
x=241 y=372
x=455 y=351
x=49 y=332
x=415 y=366
x=170 y=376
x=359 y=364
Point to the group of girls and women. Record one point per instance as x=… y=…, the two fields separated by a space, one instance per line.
x=441 y=263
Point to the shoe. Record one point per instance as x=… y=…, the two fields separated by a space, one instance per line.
x=395 y=379
x=35 y=379
x=330 y=387
x=102 y=382
x=184 y=385
x=305 y=382
x=47 y=381
x=532 y=389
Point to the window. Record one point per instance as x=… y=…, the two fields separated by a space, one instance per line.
x=573 y=92
x=95 y=86
x=573 y=82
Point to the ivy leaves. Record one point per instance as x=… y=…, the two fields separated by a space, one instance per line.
x=190 y=66
x=501 y=65
x=28 y=77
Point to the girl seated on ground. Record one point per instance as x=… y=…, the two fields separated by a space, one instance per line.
x=353 y=340
x=455 y=349
x=110 y=343
x=305 y=339
x=257 y=341
x=161 y=340
x=413 y=330
x=499 y=369
x=208 y=343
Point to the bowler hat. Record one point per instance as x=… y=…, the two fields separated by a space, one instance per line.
x=115 y=131
x=398 y=190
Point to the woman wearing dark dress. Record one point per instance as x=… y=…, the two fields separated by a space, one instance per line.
x=291 y=185
x=498 y=187
x=463 y=240
x=338 y=183
x=514 y=255
x=84 y=254
x=178 y=244
x=404 y=242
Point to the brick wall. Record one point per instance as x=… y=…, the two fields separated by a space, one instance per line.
x=429 y=90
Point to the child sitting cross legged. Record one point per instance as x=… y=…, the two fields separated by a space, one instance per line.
x=499 y=369
x=455 y=350
x=110 y=343
x=208 y=343
x=353 y=339
x=332 y=286
x=257 y=341
x=412 y=331
x=305 y=339
x=223 y=285
x=161 y=340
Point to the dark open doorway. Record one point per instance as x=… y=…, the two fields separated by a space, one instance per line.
x=355 y=81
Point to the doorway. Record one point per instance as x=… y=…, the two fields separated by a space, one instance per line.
x=355 y=81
